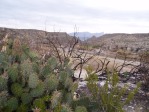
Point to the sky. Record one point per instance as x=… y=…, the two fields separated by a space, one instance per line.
x=109 y=16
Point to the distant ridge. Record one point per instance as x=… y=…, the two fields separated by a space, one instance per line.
x=86 y=35
x=133 y=42
x=30 y=33
x=33 y=35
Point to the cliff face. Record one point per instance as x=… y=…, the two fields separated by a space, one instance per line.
x=131 y=42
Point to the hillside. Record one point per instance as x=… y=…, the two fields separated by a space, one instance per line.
x=34 y=36
x=131 y=42
x=30 y=33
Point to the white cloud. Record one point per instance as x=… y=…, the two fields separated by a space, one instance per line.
x=123 y=5
x=89 y=15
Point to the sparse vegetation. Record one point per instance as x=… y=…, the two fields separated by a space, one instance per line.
x=33 y=82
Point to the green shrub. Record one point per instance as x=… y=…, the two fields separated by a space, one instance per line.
x=109 y=96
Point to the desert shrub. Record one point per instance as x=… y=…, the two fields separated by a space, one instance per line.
x=108 y=98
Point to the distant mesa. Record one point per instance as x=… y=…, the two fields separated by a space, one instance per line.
x=86 y=35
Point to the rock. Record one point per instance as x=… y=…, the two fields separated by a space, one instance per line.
x=129 y=109
x=102 y=83
x=82 y=84
x=83 y=74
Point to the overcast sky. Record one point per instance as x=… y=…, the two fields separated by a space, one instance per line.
x=109 y=16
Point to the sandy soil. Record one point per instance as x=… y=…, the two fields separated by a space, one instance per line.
x=114 y=63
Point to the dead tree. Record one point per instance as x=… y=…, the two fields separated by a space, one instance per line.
x=66 y=48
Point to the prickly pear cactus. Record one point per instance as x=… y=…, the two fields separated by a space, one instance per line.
x=26 y=68
x=3 y=83
x=68 y=98
x=52 y=62
x=66 y=108
x=74 y=87
x=33 y=81
x=13 y=72
x=63 y=76
x=3 y=99
x=56 y=98
x=51 y=82
x=27 y=83
x=16 y=89
x=26 y=98
x=38 y=91
x=22 y=108
x=80 y=109
x=68 y=83
x=12 y=104
x=40 y=104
